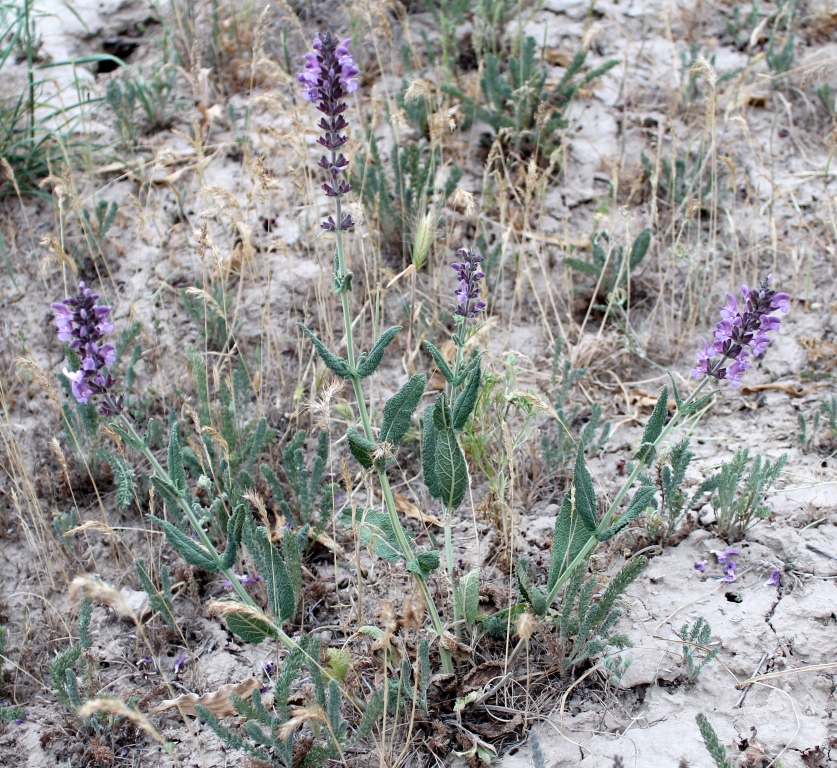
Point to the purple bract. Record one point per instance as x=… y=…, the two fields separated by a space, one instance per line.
x=328 y=77
x=469 y=275
x=84 y=324
x=741 y=331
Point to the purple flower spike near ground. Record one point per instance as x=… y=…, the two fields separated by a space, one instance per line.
x=741 y=331
x=84 y=324
x=328 y=77
x=469 y=276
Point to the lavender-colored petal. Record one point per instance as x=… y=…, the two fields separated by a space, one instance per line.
x=700 y=565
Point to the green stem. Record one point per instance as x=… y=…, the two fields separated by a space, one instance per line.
x=386 y=490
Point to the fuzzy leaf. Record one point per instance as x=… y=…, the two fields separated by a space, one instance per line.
x=642 y=499
x=464 y=404
x=653 y=428
x=576 y=521
x=428 y=453
x=699 y=403
x=399 y=410
x=424 y=563
x=334 y=363
x=530 y=593
x=361 y=448
x=469 y=586
x=440 y=361
x=248 y=628
x=192 y=552
x=175 y=459
x=640 y=248
x=373 y=359
x=441 y=413
x=159 y=600
x=280 y=592
x=451 y=471
x=583 y=266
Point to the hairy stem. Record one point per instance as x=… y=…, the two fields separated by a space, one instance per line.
x=447 y=662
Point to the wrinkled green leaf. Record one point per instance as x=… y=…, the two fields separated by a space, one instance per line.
x=653 y=428
x=373 y=359
x=248 y=628
x=361 y=448
x=175 y=459
x=464 y=404
x=451 y=472
x=642 y=499
x=640 y=248
x=334 y=363
x=428 y=453
x=469 y=590
x=192 y=552
x=399 y=410
x=576 y=521
x=440 y=361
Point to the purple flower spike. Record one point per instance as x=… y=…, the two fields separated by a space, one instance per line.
x=84 y=324
x=724 y=555
x=469 y=275
x=773 y=581
x=328 y=77
x=700 y=565
x=741 y=331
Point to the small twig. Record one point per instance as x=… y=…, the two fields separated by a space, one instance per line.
x=770 y=675
x=747 y=690
x=822 y=552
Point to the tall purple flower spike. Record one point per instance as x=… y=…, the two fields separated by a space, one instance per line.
x=84 y=324
x=740 y=332
x=329 y=76
x=469 y=275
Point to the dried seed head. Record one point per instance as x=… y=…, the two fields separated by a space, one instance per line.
x=418 y=89
x=424 y=234
x=525 y=625
x=414 y=606
x=388 y=618
x=461 y=200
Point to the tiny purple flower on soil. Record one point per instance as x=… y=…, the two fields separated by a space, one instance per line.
x=741 y=331
x=700 y=565
x=773 y=581
x=244 y=578
x=144 y=661
x=724 y=555
x=21 y=720
x=268 y=667
x=729 y=571
x=178 y=663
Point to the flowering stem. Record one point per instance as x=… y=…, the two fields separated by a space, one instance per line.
x=386 y=490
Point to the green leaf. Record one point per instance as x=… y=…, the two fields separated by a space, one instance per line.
x=640 y=248
x=399 y=410
x=175 y=458
x=428 y=453
x=699 y=403
x=334 y=363
x=248 y=628
x=159 y=601
x=653 y=428
x=583 y=266
x=373 y=359
x=376 y=531
x=440 y=361
x=451 y=472
x=678 y=401
x=641 y=501
x=464 y=404
x=441 y=413
x=576 y=522
x=189 y=550
x=280 y=592
x=362 y=449
x=424 y=563
x=469 y=587
x=530 y=593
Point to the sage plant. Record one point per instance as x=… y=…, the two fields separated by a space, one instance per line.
x=328 y=76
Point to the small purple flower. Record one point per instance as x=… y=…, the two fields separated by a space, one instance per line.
x=741 y=331
x=144 y=661
x=244 y=578
x=773 y=581
x=328 y=77
x=729 y=571
x=700 y=565
x=178 y=663
x=268 y=667
x=469 y=275
x=84 y=324
x=724 y=555
x=21 y=720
